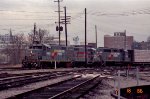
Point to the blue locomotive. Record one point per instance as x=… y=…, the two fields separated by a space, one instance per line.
x=114 y=57
x=45 y=56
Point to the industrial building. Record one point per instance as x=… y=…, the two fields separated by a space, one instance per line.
x=119 y=40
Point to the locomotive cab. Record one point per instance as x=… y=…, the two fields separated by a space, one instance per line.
x=33 y=55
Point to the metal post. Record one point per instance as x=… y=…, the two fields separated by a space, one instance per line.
x=96 y=34
x=137 y=75
x=55 y=65
x=115 y=84
x=118 y=84
x=127 y=74
x=125 y=40
x=85 y=40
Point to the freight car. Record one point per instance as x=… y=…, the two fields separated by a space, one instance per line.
x=140 y=57
x=43 y=56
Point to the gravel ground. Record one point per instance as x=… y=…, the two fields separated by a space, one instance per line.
x=109 y=84
x=100 y=92
x=11 y=66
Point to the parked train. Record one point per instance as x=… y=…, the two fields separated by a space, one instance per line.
x=43 y=55
x=46 y=56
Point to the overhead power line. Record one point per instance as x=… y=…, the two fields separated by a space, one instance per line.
x=23 y=11
x=129 y=13
x=27 y=19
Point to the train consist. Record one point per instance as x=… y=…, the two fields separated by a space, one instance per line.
x=47 y=56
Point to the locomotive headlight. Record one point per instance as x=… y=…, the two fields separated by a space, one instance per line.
x=35 y=64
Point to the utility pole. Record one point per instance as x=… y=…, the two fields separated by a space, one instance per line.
x=137 y=75
x=96 y=34
x=65 y=25
x=58 y=18
x=125 y=40
x=40 y=38
x=65 y=20
x=85 y=40
x=11 y=37
x=34 y=33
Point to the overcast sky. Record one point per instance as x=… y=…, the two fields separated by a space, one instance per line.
x=109 y=15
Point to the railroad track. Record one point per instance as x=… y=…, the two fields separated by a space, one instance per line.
x=70 y=89
x=26 y=79
x=6 y=75
x=23 y=79
x=12 y=69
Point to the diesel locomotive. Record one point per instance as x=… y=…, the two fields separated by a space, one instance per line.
x=46 y=56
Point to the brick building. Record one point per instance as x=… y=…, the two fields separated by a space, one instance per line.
x=119 y=40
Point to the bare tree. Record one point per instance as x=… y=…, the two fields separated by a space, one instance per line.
x=42 y=33
x=30 y=37
x=37 y=36
x=19 y=45
x=15 y=49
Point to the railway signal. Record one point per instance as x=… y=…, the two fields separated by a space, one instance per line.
x=59 y=28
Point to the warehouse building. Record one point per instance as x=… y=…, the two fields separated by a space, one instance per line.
x=119 y=40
